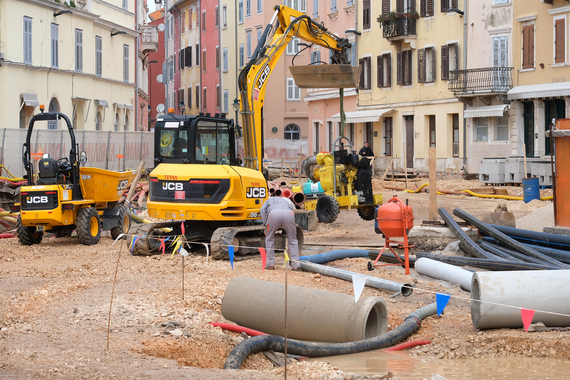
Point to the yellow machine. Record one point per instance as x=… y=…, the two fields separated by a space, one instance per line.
x=197 y=182
x=66 y=197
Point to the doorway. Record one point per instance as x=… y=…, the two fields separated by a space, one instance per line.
x=409 y=120
x=553 y=109
x=528 y=122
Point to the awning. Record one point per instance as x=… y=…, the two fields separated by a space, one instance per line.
x=544 y=90
x=101 y=103
x=485 y=111
x=30 y=100
x=362 y=116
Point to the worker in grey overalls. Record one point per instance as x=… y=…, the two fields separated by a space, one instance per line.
x=278 y=213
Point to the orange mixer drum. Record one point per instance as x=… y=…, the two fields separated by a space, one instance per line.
x=394 y=218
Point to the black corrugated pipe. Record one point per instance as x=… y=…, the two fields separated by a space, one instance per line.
x=501 y=246
x=496 y=251
x=506 y=253
x=298 y=347
x=537 y=238
x=510 y=242
x=491 y=255
x=558 y=254
x=470 y=246
x=485 y=263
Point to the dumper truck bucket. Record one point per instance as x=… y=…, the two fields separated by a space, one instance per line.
x=325 y=76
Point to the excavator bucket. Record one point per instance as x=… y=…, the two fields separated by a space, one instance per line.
x=325 y=76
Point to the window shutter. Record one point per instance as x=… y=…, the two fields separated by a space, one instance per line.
x=400 y=6
x=388 y=69
x=361 y=64
x=559 y=50
x=433 y=54
x=385 y=7
x=444 y=5
x=528 y=47
x=421 y=66
x=379 y=71
x=182 y=56
x=454 y=4
x=368 y=72
x=188 y=56
x=496 y=52
x=429 y=8
x=412 y=6
x=399 y=68
x=422 y=8
x=444 y=62
x=409 y=64
x=366 y=14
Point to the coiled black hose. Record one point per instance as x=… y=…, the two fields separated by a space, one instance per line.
x=297 y=347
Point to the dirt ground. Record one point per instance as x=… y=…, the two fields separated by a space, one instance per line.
x=55 y=305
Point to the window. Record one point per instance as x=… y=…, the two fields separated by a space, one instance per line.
x=333 y=5
x=455 y=134
x=292 y=132
x=247 y=8
x=495 y=2
x=98 y=121
x=240 y=11
x=204 y=98
x=404 y=67
x=188 y=56
x=197 y=54
x=388 y=136
x=171 y=70
x=198 y=96
x=366 y=14
x=126 y=63
x=315 y=8
x=449 y=61
x=225 y=60
x=226 y=101
x=528 y=47
x=365 y=74
x=448 y=4
x=293 y=46
x=349 y=3
x=431 y=124
x=426 y=8
x=54 y=46
x=189 y=98
x=190 y=21
x=426 y=65
x=259 y=6
x=203 y=20
x=293 y=92
x=98 y=56
x=181 y=99
x=27 y=40
x=259 y=34
x=241 y=56
x=218 y=96
x=183 y=21
x=204 y=60
x=217 y=17
x=559 y=40
x=503 y=128
x=248 y=43
x=78 y=50
x=295 y=4
x=500 y=51
x=125 y=4
x=315 y=56
x=181 y=56
x=481 y=129
x=384 y=70
x=385 y=7
x=225 y=16
x=217 y=57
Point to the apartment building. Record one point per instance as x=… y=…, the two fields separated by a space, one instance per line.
x=154 y=63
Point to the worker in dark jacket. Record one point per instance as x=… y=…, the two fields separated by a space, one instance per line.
x=366 y=150
x=278 y=213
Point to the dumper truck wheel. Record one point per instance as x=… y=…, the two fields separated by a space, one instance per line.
x=88 y=226
x=124 y=222
x=28 y=235
x=327 y=209
x=366 y=212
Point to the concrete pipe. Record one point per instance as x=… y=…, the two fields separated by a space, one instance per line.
x=443 y=271
x=542 y=291
x=312 y=315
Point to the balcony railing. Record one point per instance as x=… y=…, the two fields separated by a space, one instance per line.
x=400 y=25
x=481 y=80
x=149 y=38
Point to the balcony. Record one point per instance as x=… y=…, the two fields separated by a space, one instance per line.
x=149 y=38
x=399 y=28
x=481 y=82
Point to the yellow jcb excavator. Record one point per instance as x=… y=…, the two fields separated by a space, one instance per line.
x=197 y=182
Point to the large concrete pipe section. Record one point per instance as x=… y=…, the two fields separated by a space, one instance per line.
x=443 y=271
x=373 y=282
x=497 y=297
x=313 y=315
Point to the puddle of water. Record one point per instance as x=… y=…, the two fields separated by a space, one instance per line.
x=404 y=366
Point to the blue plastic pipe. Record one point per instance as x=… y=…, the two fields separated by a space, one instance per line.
x=327 y=257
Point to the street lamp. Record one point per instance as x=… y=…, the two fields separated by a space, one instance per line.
x=235 y=104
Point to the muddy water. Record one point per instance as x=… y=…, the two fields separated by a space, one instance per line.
x=404 y=366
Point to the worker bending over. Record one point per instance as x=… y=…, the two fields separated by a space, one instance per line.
x=278 y=213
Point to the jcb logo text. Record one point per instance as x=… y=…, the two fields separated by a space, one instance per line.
x=37 y=199
x=172 y=186
x=255 y=192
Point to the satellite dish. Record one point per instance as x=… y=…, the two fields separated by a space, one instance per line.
x=159 y=78
x=161 y=27
x=160 y=108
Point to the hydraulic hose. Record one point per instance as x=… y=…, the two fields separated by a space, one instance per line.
x=540 y=238
x=326 y=257
x=510 y=242
x=297 y=347
x=470 y=246
x=495 y=265
x=374 y=282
